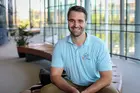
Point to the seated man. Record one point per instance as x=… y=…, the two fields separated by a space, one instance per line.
x=83 y=57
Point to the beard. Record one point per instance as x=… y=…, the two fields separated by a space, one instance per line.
x=76 y=33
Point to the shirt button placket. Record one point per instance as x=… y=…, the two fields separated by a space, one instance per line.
x=77 y=54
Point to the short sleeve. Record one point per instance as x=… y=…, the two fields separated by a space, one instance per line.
x=57 y=60
x=103 y=60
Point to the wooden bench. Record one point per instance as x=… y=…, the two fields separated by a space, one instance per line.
x=39 y=50
x=45 y=51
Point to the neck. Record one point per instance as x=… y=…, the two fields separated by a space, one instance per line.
x=80 y=39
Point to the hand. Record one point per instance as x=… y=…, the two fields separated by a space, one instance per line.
x=74 y=90
x=85 y=91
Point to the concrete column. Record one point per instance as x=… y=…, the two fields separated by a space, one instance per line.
x=137 y=29
x=106 y=21
x=88 y=9
x=122 y=21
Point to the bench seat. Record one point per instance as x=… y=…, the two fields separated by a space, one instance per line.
x=41 y=50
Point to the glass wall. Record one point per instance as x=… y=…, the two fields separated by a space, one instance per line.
x=22 y=12
x=55 y=19
x=121 y=16
x=2 y=15
x=14 y=13
x=121 y=26
x=10 y=13
x=3 y=25
x=113 y=21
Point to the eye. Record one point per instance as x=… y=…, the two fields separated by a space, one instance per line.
x=70 y=20
x=80 y=21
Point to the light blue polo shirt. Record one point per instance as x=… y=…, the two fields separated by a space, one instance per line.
x=82 y=63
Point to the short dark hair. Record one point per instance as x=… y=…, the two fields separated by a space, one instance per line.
x=78 y=9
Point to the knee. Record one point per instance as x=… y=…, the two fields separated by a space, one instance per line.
x=47 y=88
x=108 y=89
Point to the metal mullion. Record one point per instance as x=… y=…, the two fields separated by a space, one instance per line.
x=62 y=5
x=126 y=32
x=30 y=14
x=44 y=20
x=111 y=30
x=127 y=57
x=100 y=20
x=95 y=18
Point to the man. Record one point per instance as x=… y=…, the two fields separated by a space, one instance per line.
x=83 y=57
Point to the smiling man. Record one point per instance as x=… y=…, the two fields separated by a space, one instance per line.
x=83 y=57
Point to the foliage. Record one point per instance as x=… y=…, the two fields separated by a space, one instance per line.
x=98 y=18
x=24 y=22
x=21 y=36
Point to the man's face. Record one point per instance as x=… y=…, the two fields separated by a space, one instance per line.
x=76 y=23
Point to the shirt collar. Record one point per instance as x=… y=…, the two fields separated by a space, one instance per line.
x=69 y=40
x=87 y=41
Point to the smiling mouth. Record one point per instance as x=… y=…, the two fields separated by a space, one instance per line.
x=76 y=28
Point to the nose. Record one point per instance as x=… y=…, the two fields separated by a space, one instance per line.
x=76 y=24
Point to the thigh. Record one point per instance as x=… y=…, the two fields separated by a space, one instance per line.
x=108 y=89
x=50 y=88
x=80 y=88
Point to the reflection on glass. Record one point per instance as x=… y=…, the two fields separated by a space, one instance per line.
x=2 y=17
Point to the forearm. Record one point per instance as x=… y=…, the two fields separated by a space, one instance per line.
x=63 y=85
x=99 y=84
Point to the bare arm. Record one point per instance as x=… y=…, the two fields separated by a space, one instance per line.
x=105 y=80
x=60 y=82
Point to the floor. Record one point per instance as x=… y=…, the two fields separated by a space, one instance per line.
x=130 y=74
x=17 y=75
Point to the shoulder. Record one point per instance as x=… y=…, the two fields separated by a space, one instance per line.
x=95 y=41
x=62 y=42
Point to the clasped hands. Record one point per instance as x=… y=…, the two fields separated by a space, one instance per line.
x=77 y=91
